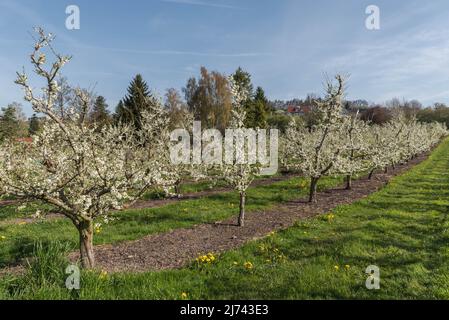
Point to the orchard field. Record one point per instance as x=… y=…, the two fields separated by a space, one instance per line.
x=401 y=228
x=131 y=208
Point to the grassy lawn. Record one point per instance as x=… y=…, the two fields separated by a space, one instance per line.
x=134 y=224
x=403 y=229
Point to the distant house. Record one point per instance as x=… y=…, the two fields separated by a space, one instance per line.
x=305 y=110
x=293 y=110
x=298 y=110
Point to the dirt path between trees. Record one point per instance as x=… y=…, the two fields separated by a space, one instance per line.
x=177 y=248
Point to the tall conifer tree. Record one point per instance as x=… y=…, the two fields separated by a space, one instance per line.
x=138 y=99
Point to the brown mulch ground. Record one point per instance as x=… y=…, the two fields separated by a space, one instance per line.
x=4 y=203
x=177 y=248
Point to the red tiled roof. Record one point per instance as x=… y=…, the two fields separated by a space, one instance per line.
x=292 y=109
x=306 y=109
x=26 y=140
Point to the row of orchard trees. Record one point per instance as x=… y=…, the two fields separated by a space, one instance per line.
x=342 y=144
x=86 y=170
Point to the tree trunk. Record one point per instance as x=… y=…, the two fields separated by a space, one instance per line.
x=178 y=190
x=86 y=231
x=312 y=193
x=371 y=174
x=348 y=182
x=386 y=169
x=242 y=209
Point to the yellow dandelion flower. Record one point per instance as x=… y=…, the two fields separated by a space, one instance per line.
x=347 y=266
x=336 y=268
x=235 y=263
x=248 y=265
x=103 y=275
x=184 y=295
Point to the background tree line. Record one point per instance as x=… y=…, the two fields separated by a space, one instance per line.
x=207 y=98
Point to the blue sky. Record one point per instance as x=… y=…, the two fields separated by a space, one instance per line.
x=286 y=45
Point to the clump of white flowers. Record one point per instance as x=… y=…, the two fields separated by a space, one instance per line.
x=318 y=151
x=341 y=144
x=188 y=171
x=82 y=170
x=357 y=148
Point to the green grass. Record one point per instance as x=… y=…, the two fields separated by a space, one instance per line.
x=197 y=186
x=134 y=224
x=12 y=212
x=403 y=229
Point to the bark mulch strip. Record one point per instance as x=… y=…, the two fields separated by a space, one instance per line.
x=177 y=248
x=4 y=203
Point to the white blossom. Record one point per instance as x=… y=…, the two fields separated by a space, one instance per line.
x=83 y=171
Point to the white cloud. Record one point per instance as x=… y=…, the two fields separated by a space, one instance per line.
x=400 y=66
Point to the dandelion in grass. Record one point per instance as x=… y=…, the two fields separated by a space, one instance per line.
x=206 y=259
x=248 y=265
x=330 y=217
x=184 y=295
x=103 y=275
x=97 y=228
